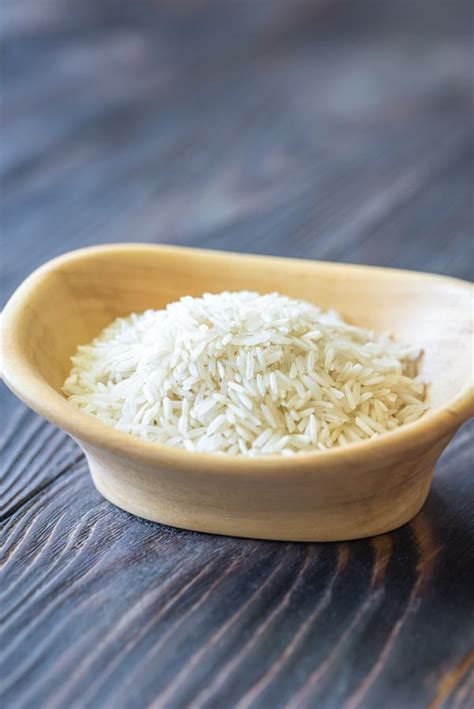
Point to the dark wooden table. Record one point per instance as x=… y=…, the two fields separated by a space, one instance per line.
x=324 y=129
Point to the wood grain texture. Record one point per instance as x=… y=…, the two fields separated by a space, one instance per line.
x=116 y=610
x=330 y=130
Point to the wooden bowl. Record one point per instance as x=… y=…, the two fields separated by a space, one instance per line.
x=363 y=489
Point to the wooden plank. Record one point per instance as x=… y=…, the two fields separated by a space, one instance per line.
x=271 y=153
x=431 y=231
x=120 y=611
x=33 y=453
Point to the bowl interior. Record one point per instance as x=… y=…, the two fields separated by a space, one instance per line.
x=68 y=304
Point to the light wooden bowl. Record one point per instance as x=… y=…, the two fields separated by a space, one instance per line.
x=364 y=489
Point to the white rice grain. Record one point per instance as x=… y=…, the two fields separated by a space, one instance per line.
x=246 y=374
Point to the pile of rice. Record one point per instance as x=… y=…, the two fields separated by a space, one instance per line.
x=243 y=373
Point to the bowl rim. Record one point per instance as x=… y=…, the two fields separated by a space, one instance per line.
x=39 y=395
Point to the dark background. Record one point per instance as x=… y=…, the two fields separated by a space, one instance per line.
x=324 y=129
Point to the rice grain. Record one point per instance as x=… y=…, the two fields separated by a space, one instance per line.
x=246 y=374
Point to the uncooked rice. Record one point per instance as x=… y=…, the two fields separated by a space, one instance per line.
x=246 y=374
